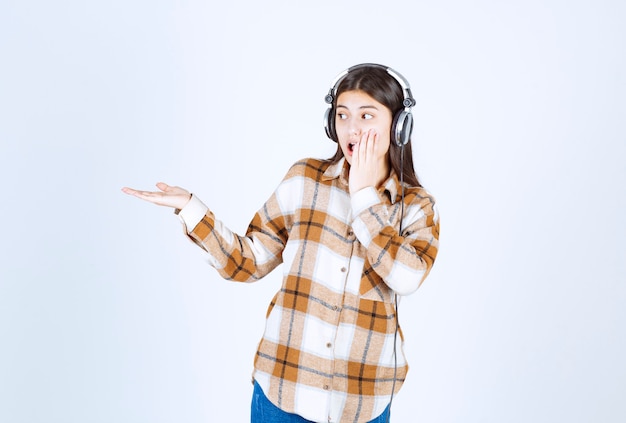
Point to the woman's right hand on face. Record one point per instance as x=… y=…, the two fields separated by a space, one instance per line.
x=168 y=196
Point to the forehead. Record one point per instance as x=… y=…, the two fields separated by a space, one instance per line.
x=357 y=98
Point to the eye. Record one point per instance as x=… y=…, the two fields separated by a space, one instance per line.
x=367 y=116
x=341 y=116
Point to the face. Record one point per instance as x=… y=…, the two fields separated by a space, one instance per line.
x=356 y=114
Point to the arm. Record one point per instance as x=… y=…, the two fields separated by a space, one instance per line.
x=402 y=260
x=239 y=258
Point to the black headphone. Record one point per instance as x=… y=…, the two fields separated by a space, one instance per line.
x=402 y=125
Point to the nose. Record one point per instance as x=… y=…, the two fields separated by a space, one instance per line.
x=355 y=129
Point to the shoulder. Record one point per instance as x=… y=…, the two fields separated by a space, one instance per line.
x=301 y=178
x=308 y=168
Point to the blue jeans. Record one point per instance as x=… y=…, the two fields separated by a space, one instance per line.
x=263 y=411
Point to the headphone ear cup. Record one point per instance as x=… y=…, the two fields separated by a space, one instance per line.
x=329 y=124
x=401 y=128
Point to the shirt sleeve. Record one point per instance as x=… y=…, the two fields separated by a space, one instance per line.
x=404 y=259
x=240 y=258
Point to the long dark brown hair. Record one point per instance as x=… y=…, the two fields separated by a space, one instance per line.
x=382 y=87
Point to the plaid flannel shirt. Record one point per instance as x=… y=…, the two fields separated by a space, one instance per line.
x=327 y=350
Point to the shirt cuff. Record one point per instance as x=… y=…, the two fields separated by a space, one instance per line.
x=193 y=212
x=363 y=199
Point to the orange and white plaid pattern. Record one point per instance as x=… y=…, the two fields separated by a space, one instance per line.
x=327 y=350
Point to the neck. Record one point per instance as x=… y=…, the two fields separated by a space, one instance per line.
x=384 y=170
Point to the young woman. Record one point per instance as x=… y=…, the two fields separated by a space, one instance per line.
x=352 y=232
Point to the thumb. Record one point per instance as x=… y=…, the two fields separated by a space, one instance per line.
x=163 y=186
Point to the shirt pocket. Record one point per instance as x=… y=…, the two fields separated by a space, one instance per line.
x=373 y=287
x=376 y=323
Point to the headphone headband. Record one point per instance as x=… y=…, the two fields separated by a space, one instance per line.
x=408 y=101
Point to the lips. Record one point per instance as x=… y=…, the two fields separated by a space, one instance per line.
x=351 y=146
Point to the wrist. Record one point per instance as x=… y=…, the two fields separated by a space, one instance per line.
x=185 y=201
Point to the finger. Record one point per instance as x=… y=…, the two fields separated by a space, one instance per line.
x=355 y=153
x=379 y=149
x=134 y=192
x=366 y=147
x=144 y=195
x=363 y=147
x=372 y=142
x=163 y=186
x=148 y=195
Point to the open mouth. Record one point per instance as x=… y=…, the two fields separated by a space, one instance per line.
x=351 y=146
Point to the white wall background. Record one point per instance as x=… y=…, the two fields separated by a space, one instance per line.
x=109 y=314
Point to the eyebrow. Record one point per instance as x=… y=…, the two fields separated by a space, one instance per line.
x=362 y=107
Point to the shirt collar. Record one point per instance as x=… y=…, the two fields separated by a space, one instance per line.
x=337 y=170
x=341 y=169
x=392 y=187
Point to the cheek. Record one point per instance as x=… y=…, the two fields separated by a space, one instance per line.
x=384 y=132
x=384 y=144
x=339 y=128
x=384 y=137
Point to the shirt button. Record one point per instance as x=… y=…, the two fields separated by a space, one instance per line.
x=329 y=344
x=343 y=269
x=326 y=387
